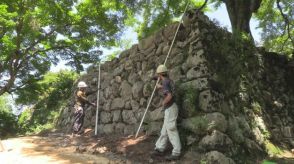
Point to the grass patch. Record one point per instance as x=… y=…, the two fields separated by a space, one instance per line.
x=272 y=149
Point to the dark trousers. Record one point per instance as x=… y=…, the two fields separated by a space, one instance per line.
x=78 y=119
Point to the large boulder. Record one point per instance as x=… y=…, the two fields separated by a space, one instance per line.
x=105 y=117
x=117 y=103
x=215 y=157
x=128 y=117
x=157 y=114
x=146 y=43
x=137 y=90
x=216 y=141
x=209 y=101
x=205 y=123
x=125 y=90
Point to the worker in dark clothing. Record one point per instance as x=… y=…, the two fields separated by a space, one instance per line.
x=80 y=102
x=169 y=129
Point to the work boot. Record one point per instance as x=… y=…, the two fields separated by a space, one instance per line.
x=172 y=157
x=156 y=152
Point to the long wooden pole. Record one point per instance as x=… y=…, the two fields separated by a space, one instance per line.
x=98 y=97
x=158 y=79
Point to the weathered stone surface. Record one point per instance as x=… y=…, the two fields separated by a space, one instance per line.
x=146 y=43
x=107 y=106
x=106 y=129
x=175 y=60
x=128 y=117
x=235 y=131
x=128 y=65
x=215 y=157
x=133 y=78
x=117 y=116
x=157 y=114
x=287 y=131
x=147 y=89
x=244 y=125
x=216 y=141
x=209 y=101
x=205 y=123
x=105 y=79
x=119 y=128
x=126 y=90
x=135 y=105
x=169 y=31
x=216 y=121
x=117 y=103
x=194 y=60
x=176 y=73
x=105 y=117
x=153 y=128
x=143 y=102
x=117 y=71
x=194 y=64
x=199 y=84
x=147 y=76
x=199 y=71
x=253 y=147
x=159 y=49
x=137 y=90
x=130 y=129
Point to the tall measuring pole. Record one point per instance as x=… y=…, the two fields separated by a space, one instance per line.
x=163 y=64
x=98 y=97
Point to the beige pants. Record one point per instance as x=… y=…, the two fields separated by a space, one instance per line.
x=1 y=147
x=169 y=131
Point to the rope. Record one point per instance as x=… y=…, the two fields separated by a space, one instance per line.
x=163 y=64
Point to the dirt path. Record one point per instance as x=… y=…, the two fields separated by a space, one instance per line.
x=53 y=149
x=59 y=148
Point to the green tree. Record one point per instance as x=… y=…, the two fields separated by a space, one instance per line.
x=276 y=19
x=44 y=99
x=34 y=34
x=8 y=123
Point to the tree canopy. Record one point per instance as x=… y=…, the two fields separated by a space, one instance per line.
x=8 y=124
x=34 y=34
x=275 y=18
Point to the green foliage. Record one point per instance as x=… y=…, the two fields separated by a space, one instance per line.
x=268 y=162
x=189 y=96
x=233 y=59
x=122 y=45
x=159 y=13
x=203 y=161
x=24 y=120
x=277 y=33
x=256 y=108
x=8 y=123
x=272 y=149
x=36 y=34
x=47 y=96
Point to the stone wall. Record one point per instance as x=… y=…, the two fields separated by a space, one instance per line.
x=213 y=121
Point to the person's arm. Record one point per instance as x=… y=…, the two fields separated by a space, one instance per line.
x=84 y=99
x=167 y=99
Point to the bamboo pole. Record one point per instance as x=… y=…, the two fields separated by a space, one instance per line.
x=98 y=97
x=158 y=79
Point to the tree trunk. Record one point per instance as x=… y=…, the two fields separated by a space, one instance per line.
x=240 y=13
